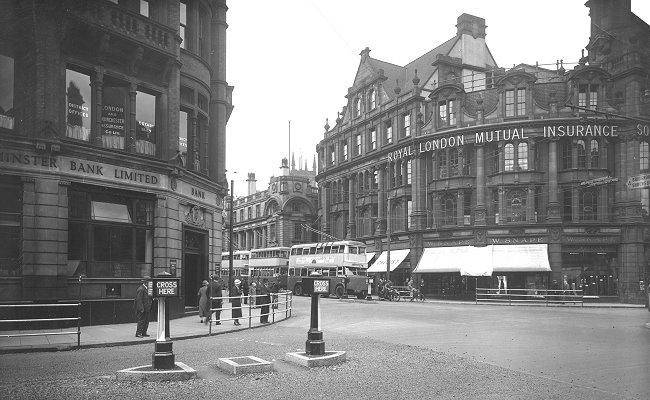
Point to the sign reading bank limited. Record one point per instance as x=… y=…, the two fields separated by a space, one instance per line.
x=501 y=135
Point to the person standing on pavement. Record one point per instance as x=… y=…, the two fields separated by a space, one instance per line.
x=204 y=302
x=142 y=309
x=244 y=289
x=215 y=292
x=263 y=300
x=235 y=299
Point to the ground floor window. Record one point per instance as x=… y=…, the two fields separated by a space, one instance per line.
x=110 y=233
x=10 y=216
x=593 y=273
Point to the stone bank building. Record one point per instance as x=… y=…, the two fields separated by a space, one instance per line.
x=536 y=175
x=112 y=148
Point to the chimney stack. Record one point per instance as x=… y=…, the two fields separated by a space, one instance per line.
x=251 y=183
x=470 y=25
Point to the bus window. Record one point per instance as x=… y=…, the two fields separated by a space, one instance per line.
x=303 y=272
x=340 y=271
x=320 y=250
x=312 y=250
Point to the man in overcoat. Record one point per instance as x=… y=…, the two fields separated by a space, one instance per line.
x=142 y=309
x=216 y=291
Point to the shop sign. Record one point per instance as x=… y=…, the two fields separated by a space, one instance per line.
x=643 y=130
x=598 y=181
x=516 y=240
x=638 y=181
x=200 y=195
x=591 y=239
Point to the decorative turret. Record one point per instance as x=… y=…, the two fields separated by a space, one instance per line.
x=327 y=125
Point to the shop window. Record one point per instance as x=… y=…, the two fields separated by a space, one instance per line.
x=406 y=125
x=145 y=115
x=78 y=105
x=389 y=132
x=588 y=205
x=114 y=116
x=372 y=144
x=372 y=99
x=183 y=26
x=644 y=156
x=10 y=230
x=582 y=153
x=522 y=156
x=595 y=154
x=516 y=206
x=183 y=128
x=6 y=92
x=588 y=96
x=515 y=102
x=509 y=157
x=449 y=210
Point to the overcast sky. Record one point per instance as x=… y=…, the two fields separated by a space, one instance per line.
x=293 y=60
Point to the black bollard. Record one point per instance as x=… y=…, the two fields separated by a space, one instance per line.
x=315 y=345
x=163 y=356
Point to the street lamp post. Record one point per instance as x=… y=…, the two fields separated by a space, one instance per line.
x=230 y=257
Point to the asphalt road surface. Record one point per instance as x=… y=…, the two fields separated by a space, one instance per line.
x=396 y=351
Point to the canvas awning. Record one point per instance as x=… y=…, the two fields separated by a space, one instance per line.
x=396 y=258
x=369 y=257
x=483 y=261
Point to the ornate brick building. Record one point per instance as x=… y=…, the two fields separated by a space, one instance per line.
x=456 y=156
x=112 y=147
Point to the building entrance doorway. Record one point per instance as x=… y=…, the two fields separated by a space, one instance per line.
x=195 y=264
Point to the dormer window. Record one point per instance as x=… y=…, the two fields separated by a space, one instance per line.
x=357 y=106
x=446 y=112
x=515 y=102
x=389 y=132
x=372 y=99
x=588 y=96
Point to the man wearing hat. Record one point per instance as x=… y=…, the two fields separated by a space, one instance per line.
x=142 y=308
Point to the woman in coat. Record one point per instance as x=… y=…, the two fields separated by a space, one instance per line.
x=204 y=302
x=236 y=301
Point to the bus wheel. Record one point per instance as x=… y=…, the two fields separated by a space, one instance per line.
x=297 y=290
x=361 y=295
x=339 y=291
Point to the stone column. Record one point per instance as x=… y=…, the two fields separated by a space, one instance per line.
x=380 y=228
x=132 y=124
x=502 y=209
x=460 y=205
x=97 y=85
x=192 y=153
x=480 y=210
x=324 y=204
x=553 y=209
x=531 y=154
x=352 y=208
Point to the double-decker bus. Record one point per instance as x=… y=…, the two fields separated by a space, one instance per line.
x=240 y=259
x=339 y=261
x=271 y=263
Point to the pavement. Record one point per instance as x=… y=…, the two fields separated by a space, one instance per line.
x=190 y=327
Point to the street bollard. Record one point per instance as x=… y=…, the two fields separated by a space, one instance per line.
x=315 y=345
x=164 y=287
x=369 y=294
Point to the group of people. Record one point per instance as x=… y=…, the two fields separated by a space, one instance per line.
x=259 y=294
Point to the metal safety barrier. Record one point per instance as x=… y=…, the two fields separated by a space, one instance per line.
x=538 y=296
x=43 y=320
x=280 y=303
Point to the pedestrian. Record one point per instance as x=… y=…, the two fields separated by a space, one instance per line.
x=252 y=291
x=244 y=289
x=142 y=309
x=215 y=295
x=235 y=299
x=263 y=300
x=204 y=302
x=411 y=287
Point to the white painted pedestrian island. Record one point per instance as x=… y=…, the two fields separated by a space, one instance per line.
x=310 y=361
x=244 y=365
x=181 y=372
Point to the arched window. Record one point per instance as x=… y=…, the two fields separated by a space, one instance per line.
x=522 y=155
x=453 y=162
x=582 y=154
x=644 y=156
x=588 y=205
x=372 y=99
x=357 y=106
x=595 y=153
x=567 y=156
x=515 y=206
x=449 y=210
x=509 y=157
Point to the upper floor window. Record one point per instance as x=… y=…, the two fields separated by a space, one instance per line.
x=372 y=143
x=588 y=95
x=372 y=99
x=6 y=92
x=250 y=212
x=375 y=179
x=567 y=154
x=357 y=106
x=449 y=212
x=595 y=154
x=515 y=102
x=443 y=168
x=332 y=155
x=144 y=7
x=241 y=215
x=522 y=156
x=408 y=172
x=183 y=28
x=644 y=156
x=406 y=125
x=145 y=116
x=358 y=145
x=389 y=132
x=509 y=157
x=515 y=206
x=582 y=153
x=515 y=157
x=447 y=113
x=588 y=205
x=258 y=211
x=79 y=106
x=345 y=151
x=183 y=128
